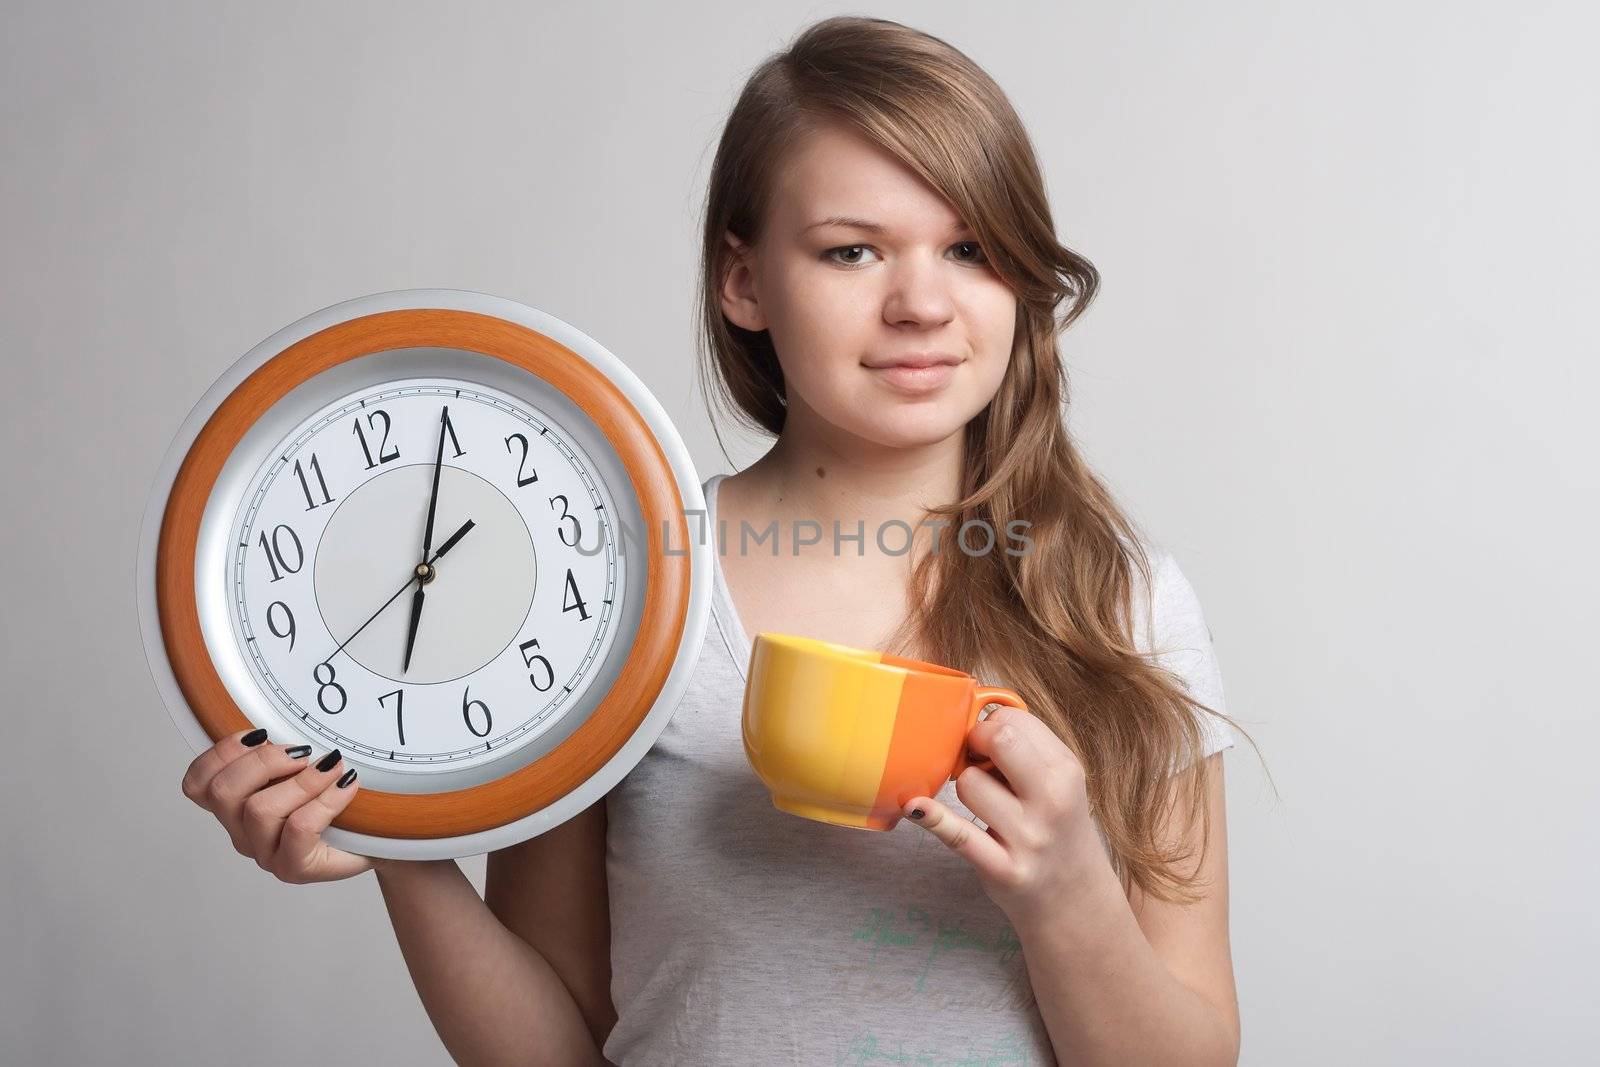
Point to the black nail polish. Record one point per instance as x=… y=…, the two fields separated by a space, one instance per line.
x=346 y=778
x=253 y=738
x=298 y=752
x=917 y=813
x=326 y=762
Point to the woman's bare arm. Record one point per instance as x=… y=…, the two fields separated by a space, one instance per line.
x=1129 y=979
x=491 y=996
x=1193 y=940
x=551 y=891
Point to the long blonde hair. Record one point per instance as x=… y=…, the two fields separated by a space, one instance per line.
x=1054 y=623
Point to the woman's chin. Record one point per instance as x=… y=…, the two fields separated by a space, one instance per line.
x=907 y=428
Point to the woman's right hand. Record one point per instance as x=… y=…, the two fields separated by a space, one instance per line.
x=275 y=801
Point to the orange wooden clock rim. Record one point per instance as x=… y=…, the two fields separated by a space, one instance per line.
x=666 y=597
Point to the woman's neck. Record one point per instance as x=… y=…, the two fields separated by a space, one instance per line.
x=804 y=477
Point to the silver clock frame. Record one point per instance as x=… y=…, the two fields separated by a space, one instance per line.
x=408 y=363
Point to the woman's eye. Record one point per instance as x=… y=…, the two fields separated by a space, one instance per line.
x=976 y=247
x=832 y=252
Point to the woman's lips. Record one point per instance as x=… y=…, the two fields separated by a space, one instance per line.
x=915 y=379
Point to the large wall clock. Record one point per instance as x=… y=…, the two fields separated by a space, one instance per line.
x=446 y=533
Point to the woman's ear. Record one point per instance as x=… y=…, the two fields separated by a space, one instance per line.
x=739 y=300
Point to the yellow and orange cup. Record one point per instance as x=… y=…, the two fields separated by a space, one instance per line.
x=848 y=736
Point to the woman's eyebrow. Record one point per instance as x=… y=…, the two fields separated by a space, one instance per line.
x=868 y=224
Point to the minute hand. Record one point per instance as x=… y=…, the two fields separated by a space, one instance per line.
x=433 y=496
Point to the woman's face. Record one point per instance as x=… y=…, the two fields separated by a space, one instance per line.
x=844 y=302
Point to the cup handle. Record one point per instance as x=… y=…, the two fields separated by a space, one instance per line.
x=984 y=694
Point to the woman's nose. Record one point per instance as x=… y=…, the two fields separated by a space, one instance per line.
x=919 y=292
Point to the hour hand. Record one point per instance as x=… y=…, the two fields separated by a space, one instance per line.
x=453 y=538
x=411 y=635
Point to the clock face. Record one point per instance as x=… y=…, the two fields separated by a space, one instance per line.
x=520 y=593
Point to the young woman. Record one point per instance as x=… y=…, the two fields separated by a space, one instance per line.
x=880 y=288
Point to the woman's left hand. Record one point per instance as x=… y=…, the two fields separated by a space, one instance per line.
x=1041 y=846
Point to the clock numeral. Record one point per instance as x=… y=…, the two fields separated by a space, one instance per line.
x=323 y=687
x=532 y=476
x=577 y=528
x=399 y=706
x=570 y=599
x=466 y=714
x=527 y=660
x=449 y=428
x=275 y=554
x=289 y=633
x=383 y=457
x=305 y=487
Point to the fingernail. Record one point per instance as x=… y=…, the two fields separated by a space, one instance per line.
x=348 y=777
x=298 y=752
x=253 y=738
x=917 y=813
x=326 y=762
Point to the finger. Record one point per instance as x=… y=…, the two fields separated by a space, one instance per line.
x=990 y=800
x=228 y=788
x=962 y=836
x=264 y=811
x=1016 y=750
x=205 y=766
x=303 y=856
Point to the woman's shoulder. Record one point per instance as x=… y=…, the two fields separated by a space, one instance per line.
x=1171 y=581
x=1175 y=630
x=1175 y=619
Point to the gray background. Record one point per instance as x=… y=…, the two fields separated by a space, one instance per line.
x=1343 y=365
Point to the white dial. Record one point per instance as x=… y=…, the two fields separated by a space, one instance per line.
x=519 y=599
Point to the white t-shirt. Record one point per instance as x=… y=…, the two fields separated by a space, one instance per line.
x=741 y=934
